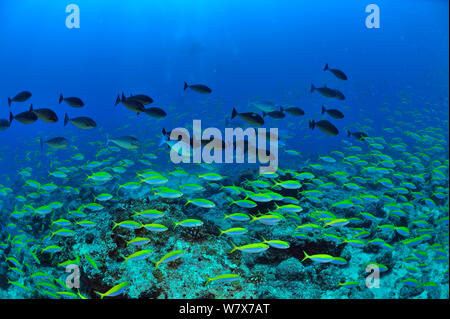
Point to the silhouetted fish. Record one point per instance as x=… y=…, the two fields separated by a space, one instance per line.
x=327 y=92
x=56 y=143
x=20 y=97
x=199 y=88
x=338 y=73
x=293 y=110
x=275 y=114
x=333 y=113
x=325 y=126
x=359 y=135
x=84 y=123
x=155 y=112
x=72 y=101
x=46 y=115
x=250 y=117
x=27 y=117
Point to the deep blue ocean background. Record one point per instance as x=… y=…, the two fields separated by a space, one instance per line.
x=271 y=50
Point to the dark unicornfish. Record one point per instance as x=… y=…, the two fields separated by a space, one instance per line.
x=250 y=117
x=199 y=88
x=27 y=117
x=72 y=101
x=327 y=92
x=84 y=123
x=333 y=113
x=21 y=97
x=358 y=135
x=324 y=126
x=293 y=110
x=155 y=112
x=131 y=104
x=275 y=114
x=46 y=115
x=141 y=98
x=337 y=73
x=56 y=143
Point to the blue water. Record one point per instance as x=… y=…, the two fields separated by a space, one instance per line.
x=266 y=50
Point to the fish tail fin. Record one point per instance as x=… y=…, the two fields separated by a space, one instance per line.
x=234 y=113
x=115 y=225
x=117 y=100
x=326 y=67
x=312 y=88
x=66 y=119
x=185 y=86
x=349 y=133
x=9 y=102
x=312 y=124
x=264 y=114
x=306 y=256
x=234 y=246
x=61 y=98
x=221 y=232
x=208 y=280
x=31 y=108
x=100 y=294
x=163 y=139
x=125 y=258
x=323 y=109
x=187 y=202
x=11 y=118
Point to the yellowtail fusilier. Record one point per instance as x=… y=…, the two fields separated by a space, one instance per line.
x=114 y=291
x=174 y=255
x=251 y=248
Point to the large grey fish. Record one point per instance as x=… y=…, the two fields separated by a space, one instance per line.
x=199 y=88
x=126 y=142
x=56 y=143
x=275 y=114
x=333 y=113
x=131 y=104
x=20 y=97
x=293 y=110
x=84 y=123
x=46 y=115
x=141 y=98
x=72 y=101
x=250 y=117
x=27 y=117
x=359 y=135
x=325 y=126
x=155 y=112
x=327 y=92
x=338 y=73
